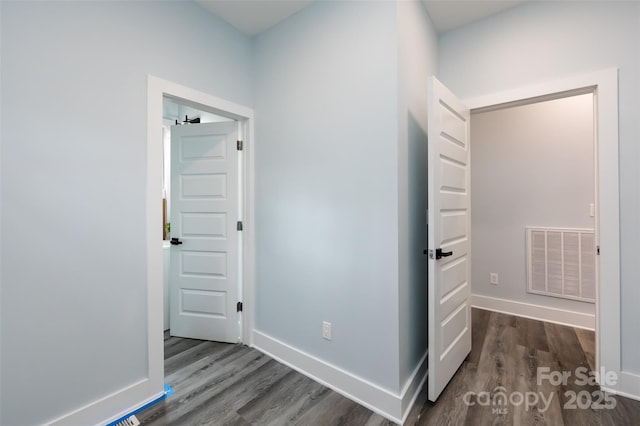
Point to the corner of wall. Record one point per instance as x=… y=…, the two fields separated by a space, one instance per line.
x=417 y=59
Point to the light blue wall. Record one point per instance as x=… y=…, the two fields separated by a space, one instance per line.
x=417 y=60
x=74 y=325
x=542 y=41
x=326 y=185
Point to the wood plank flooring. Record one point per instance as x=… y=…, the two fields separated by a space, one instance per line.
x=221 y=384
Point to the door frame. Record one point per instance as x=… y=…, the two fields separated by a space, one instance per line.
x=604 y=87
x=157 y=89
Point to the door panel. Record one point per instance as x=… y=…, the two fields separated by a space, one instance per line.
x=449 y=230
x=204 y=203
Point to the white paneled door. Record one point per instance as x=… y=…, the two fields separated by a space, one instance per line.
x=449 y=239
x=204 y=214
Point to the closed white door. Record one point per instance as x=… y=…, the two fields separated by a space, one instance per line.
x=204 y=214
x=449 y=236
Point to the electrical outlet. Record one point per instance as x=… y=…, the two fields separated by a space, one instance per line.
x=493 y=278
x=326 y=330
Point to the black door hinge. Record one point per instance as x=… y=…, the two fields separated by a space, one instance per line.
x=239 y=145
x=598 y=250
x=239 y=226
x=239 y=307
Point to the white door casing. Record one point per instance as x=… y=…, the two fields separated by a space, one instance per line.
x=449 y=227
x=604 y=86
x=204 y=214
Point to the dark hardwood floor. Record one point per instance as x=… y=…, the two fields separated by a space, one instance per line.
x=221 y=384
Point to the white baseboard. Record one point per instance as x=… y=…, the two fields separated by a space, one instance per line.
x=105 y=407
x=537 y=312
x=390 y=405
x=413 y=386
x=628 y=386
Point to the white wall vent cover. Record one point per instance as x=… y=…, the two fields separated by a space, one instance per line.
x=561 y=263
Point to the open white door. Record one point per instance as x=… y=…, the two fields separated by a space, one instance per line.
x=204 y=254
x=449 y=242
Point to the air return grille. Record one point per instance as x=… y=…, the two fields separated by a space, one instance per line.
x=561 y=263
x=129 y=421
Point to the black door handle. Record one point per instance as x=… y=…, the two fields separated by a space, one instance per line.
x=437 y=254
x=441 y=254
x=175 y=241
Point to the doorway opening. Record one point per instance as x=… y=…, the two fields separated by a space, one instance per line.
x=214 y=169
x=602 y=86
x=533 y=205
x=201 y=224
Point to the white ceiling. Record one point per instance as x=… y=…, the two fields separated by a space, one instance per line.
x=255 y=16
x=450 y=14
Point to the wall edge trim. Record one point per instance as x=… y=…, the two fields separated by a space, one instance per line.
x=379 y=400
x=536 y=312
x=628 y=386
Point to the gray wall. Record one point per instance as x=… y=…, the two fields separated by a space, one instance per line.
x=532 y=165
x=74 y=96
x=541 y=41
x=327 y=185
x=417 y=59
